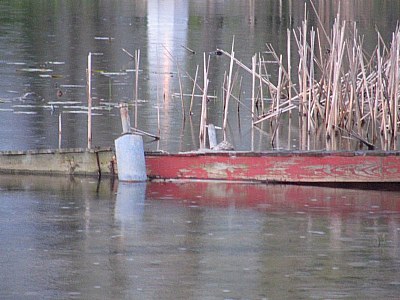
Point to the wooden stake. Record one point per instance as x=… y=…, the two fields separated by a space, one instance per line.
x=253 y=90
x=89 y=99
x=203 y=117
x=289 y=67
x=311 y=83
x=261 y=86
x=279 y=86
x=212 y=136
x=59 y=131
x=137 y=62
x=125 y=120
x=229 y=89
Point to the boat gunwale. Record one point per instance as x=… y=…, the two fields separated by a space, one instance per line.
x=277 y=153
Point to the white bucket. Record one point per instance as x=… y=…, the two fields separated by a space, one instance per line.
x=130 y=158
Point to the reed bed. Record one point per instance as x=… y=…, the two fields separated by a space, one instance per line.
x=337 y=86
x=326 y=77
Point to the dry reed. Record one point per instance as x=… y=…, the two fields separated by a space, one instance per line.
x=337 y=88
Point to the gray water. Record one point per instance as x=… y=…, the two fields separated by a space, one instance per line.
x=71 y=238
x=44 y=48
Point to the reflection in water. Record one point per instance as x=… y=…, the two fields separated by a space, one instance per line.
x=130 y=204
x=167 y=32
x=81 y=239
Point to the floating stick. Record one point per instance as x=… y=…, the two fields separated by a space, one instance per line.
x=130 y=55
x=188 y=49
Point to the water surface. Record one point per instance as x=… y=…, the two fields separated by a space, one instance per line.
x=44 y=48
x=82 y=239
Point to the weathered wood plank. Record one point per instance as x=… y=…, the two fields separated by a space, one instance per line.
x=296 y=167
x=55 y=161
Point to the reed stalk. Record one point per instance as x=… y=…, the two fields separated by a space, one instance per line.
x=253 y=90
x=59 y=130
x=261 y=90
x=89 y=100
x=289 y=68
x=203 y=116
x=137 y=62
x=181 y=96
x=193 y=91
x=311 y=83
x=279 y=85
x=229 y=88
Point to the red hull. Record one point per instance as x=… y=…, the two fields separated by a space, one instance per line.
x=314 y=166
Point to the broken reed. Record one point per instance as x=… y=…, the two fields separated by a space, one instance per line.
x=337 y=85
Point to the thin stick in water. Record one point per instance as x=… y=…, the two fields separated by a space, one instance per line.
x=193 y=90
x=89 y=99
x=188 y=49
x=59 y=131
x=137 y=62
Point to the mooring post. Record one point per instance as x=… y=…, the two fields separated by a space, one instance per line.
x=212 y=136
x=129 y=151
x=131 y=163
x=125 y=119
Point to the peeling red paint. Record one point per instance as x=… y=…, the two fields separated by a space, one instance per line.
x=372 y=166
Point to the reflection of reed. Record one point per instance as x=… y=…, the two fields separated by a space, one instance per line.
x=276 y=197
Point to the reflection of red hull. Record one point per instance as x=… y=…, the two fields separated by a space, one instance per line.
x=280 y=166
x=274 y=197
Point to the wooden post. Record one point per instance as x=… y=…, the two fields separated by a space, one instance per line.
x=279 y=88
x=253 y=90
x=212 y=136
x=89 y=98
x=137 y=62
x=396 y=89
x=311 y=83
x=289 y=71
x=203 y=117
x=260 y=65
x=229 y=89
x=125 y=120
x=59 y=131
